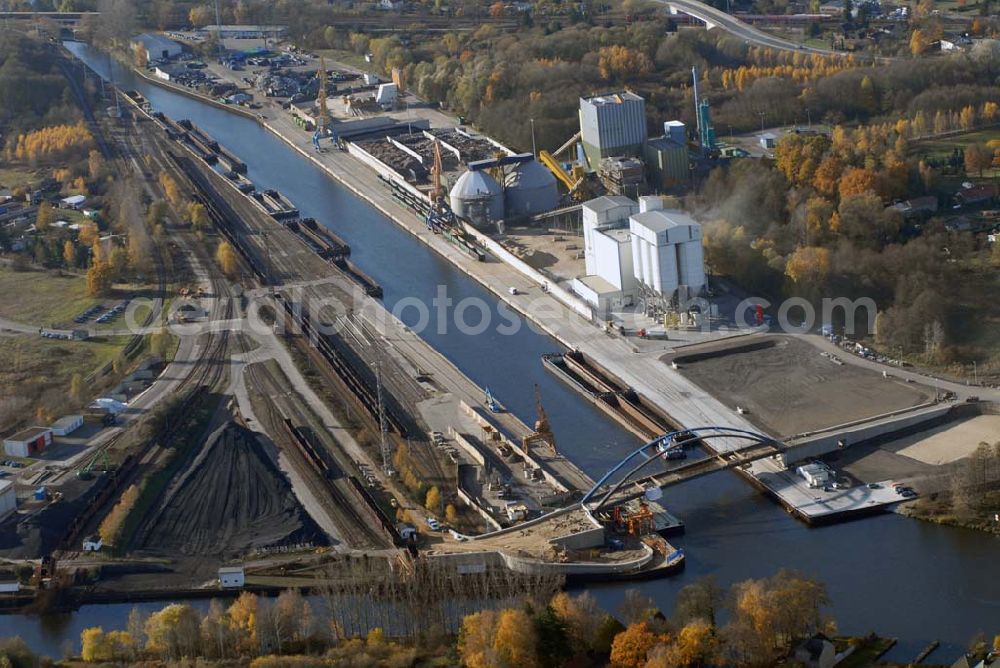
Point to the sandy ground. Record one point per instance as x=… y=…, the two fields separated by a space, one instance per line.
x=233 y=501
x=790 y=388
x=557 y=253
x=949 y=442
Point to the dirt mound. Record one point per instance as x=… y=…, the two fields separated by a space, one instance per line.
x=233 y=500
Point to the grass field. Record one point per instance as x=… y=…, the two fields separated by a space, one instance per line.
x=14 y=176
x=943 y=148
x=346 y=57
x=36 y=371
x=42 y=298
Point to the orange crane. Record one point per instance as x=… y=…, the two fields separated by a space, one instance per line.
x=543 y=428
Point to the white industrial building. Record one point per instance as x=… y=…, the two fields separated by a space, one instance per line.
x=815 y=475
x=232 y=577
x=638 y=248
x=612 y=124
x=667 y=253
x=8 y=498
x=66 y=425
x=28 y=442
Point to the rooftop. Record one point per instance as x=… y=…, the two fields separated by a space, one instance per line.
x=155 y=42
x=6 y=484
x=28 y=434
x=663 y=219
x=599 y=285
x=619 y=97
x=607 y=202
x=664 y=143
x=619 y=234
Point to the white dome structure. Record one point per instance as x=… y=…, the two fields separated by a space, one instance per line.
x=531 y=189
x=478 y=198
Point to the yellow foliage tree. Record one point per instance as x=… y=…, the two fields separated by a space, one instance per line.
x=112 y=524
x=243 y=618
x=515 y=642
x=226 y=257
x=475 y=639
x=54 y=142
x=450 y=514
x=100 y=276
x=616 y=62
x=94 y=645
x=432 y=501
x=631 y=647
x=808 y=265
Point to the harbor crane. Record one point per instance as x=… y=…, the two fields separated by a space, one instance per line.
x=439 y=214
x=543 y=428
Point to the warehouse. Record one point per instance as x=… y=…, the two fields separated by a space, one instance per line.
x=28 y=442
x=8 y=498
x=156 y=47
x=65 y=426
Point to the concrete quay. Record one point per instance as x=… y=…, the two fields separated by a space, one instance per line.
x=560 y=315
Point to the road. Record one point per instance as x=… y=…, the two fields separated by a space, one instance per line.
x=734 y=26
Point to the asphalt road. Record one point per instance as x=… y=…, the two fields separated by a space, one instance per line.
x=734 y=26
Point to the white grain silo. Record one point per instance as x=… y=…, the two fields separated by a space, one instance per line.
x=666 y=251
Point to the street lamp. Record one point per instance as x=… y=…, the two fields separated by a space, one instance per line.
x=534 y=151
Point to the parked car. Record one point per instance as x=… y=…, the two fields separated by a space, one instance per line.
x=433 y=524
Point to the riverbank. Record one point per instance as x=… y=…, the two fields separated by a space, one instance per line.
x=938 y=509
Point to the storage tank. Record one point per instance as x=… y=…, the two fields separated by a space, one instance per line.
x=531 y=189
x=478 y=198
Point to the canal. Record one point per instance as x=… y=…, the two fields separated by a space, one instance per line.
x=911 y=580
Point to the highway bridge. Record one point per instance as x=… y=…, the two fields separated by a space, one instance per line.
x=715 y=18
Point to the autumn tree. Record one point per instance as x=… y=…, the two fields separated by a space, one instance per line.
x=515 y=642
x=69 y=254
x=808 y=266
x=200 y=16
x=631 y=647
x=45 y=217
x=450 y=514
x=581 y=615
x=695 y=645
x=243 y=621
x=919 y=43
x=978 y=157
x=618 y=62
x=475 y=639
x=856 y=180
x=636 y=607
x=197 y=216
x=226 y=257
x=173 y=632
x=94 y=645
x=432 y=502
x=100 y=276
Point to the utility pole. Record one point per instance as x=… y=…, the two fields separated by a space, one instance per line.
x=218 y=29
x=383 y=427
x=534 y=149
